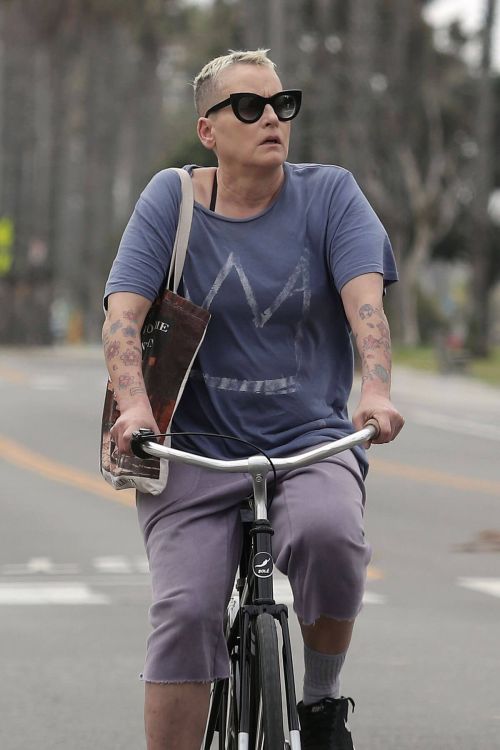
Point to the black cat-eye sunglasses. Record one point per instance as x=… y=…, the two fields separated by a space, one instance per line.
x=249 y=107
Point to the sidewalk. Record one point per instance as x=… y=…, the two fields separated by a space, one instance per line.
x=445 y=390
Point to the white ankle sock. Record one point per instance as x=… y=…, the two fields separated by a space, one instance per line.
x=321 y=676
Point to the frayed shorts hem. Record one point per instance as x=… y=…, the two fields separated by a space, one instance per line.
x=182 y=682
x=303 y=621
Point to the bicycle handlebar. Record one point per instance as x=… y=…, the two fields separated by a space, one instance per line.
x=143 y=445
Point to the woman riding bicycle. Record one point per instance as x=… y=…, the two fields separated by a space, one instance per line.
x=290 y=259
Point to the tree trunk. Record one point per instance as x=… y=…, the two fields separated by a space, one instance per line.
x=255 y=26
x=411 y=271
x=361 y=42
x=479 y=333
x=145 y=117
x=101 y=153
x=24 y=298
x=277 y=29
x=322 y=88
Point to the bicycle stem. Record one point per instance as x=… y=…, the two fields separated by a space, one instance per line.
x=259 y=469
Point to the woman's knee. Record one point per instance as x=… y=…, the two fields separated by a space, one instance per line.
x=185 y=615
x=328 y=574
x=326 y=541
x=328 y=571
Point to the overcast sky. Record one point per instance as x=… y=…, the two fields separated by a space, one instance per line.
x=470 y=13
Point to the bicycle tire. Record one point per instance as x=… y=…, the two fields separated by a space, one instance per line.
x=267 y=717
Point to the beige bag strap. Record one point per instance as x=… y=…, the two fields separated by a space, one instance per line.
x=183 y=229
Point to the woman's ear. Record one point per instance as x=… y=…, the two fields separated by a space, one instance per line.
x=205 y=133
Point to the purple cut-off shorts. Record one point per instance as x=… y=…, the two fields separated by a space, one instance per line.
x=192 y=533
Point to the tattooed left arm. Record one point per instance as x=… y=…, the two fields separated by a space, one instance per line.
x=362 y=300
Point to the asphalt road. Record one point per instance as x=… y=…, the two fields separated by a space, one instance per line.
x=425 y=662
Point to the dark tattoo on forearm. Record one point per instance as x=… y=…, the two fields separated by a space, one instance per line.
x=366 y=311
x=124 y=381
x=137 y=389
x=130 y=357
x=128 y=381
x=124 y=332
x=112 y=350
x=375 y=350
x=376 y=373
x=130 y=331
x=115 y=326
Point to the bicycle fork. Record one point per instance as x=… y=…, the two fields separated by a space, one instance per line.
x=263 y=602
x=248 y=614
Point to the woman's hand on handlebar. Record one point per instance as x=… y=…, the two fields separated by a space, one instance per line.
x=131 y=419
x=381 y=409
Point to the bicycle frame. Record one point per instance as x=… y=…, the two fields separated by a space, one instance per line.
x=256 y=596
x=255 y=593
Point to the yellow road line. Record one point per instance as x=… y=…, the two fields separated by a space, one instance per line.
x=13 y=376
x=374 y=574
x=433 y=477
x=28 y=460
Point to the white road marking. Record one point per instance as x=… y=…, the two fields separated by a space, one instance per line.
x=116 y=564
x=121 y=564
x=40 y=565
x=49 y=383
x=141 y=564
x=456 y=425
x=490 y=586
x=113 y=564
x=55 y=593
x=119 y=570
x=371 y=598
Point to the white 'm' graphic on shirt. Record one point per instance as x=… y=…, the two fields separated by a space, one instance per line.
x=298 y=282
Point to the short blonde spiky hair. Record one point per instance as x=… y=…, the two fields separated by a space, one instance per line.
x=206 y=82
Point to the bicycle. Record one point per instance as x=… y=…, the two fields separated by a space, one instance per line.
x=246 y=708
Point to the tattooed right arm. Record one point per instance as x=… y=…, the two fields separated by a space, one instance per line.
x=121 y=336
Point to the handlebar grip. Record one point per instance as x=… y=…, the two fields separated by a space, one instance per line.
x=140 y=436
x=372 y=422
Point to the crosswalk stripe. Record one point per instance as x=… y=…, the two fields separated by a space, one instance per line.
x=490 y=586
x=106 y=564
x=118 y=564
x=55 y=593
x=50 y=383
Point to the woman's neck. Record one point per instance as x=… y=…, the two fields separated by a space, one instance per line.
x=244 y=195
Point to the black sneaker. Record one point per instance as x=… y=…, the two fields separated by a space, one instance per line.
x=323 y=725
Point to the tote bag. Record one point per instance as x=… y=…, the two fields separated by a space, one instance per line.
x=171 y=336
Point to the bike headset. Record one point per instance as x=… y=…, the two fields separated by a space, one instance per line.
x=225 y=437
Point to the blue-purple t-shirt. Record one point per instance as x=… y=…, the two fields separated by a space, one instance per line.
x=276 y=365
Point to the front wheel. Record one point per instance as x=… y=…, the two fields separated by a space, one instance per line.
x=266 y=715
